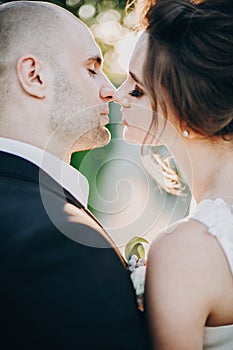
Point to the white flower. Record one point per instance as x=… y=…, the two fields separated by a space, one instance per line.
x=138 y=279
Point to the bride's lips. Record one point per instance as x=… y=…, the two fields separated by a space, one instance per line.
x=124 y=122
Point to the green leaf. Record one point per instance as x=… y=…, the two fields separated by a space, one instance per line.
x=135 y=247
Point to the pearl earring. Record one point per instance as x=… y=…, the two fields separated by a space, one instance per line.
x=186 y=133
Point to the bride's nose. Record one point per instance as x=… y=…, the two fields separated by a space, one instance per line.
x=121 y=98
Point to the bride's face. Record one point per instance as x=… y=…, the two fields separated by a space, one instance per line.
x=135 y=104
x=136 y=108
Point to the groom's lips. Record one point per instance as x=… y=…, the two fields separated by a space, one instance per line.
x=104 y=119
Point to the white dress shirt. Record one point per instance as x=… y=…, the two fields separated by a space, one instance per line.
x=67 y=176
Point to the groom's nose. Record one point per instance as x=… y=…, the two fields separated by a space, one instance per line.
x=107 y=91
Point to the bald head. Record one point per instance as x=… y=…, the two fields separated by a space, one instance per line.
x=38 y=28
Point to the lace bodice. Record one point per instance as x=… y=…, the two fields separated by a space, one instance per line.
x=217 y=215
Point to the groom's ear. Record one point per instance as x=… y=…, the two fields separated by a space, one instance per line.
x=31 y=76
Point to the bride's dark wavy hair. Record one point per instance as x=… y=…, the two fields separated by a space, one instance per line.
x=190 y=57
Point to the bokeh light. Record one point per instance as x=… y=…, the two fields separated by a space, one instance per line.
x=110 y=32
x=130 y=20
x=72 y=3
x=110 y=15
x=86 y=11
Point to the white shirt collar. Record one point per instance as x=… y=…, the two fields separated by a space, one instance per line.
x=67 y=176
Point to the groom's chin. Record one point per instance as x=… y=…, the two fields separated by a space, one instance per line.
x=95 y=138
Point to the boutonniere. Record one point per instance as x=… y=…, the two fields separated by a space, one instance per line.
x=136 y=258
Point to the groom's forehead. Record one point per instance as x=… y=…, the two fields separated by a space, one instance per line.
x=86 y=45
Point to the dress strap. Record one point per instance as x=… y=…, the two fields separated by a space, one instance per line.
x=217 y=215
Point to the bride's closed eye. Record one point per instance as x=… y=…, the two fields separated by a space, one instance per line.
x=136 y=92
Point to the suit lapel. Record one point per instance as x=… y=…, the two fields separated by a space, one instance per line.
x=81 y=214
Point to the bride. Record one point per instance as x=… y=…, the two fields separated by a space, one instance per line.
x=183 y=66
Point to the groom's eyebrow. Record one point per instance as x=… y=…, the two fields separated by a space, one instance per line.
x=135 y=78
x=94 y=59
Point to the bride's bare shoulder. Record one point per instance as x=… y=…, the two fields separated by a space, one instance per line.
x=188 y=241
x=184 y=231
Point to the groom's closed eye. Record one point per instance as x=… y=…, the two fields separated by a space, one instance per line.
x=93 y=64
x=92 y=72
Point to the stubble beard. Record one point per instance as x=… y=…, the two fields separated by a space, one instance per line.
x=74 y=124
x=100 y=135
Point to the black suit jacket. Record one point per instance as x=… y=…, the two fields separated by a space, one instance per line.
x=58 y=291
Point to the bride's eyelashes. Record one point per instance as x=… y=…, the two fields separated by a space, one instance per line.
x=136 y=92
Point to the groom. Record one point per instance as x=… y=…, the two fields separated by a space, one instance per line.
x=63 y=283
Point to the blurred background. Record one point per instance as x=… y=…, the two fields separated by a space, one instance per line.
x=123 y=195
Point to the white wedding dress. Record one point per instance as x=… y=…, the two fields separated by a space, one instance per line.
x=217 y=215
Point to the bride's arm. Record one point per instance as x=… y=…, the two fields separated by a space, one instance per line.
x=180 y=287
